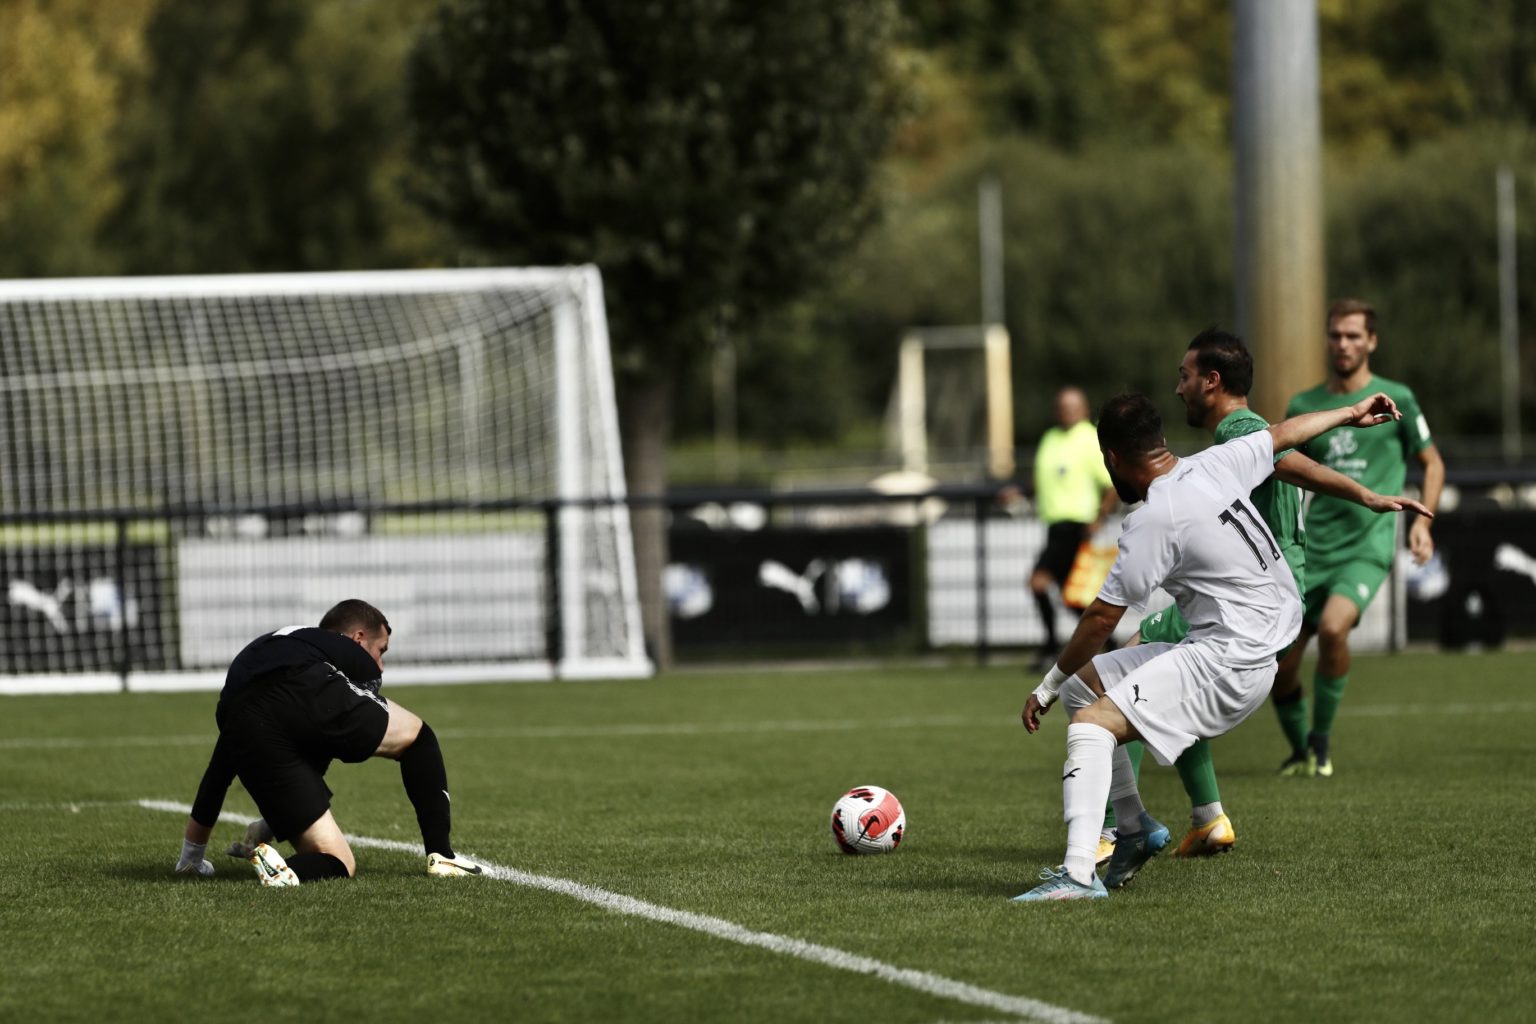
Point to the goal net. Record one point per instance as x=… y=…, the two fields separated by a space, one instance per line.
x=188 y=462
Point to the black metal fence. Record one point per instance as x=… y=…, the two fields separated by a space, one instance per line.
x=750 y=574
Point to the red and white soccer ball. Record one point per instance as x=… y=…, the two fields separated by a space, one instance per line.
x=868 y=819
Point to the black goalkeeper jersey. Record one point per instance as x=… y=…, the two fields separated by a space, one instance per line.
x=288 y=653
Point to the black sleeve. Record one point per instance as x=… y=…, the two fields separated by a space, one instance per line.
x=345 y=654
x=211 y=791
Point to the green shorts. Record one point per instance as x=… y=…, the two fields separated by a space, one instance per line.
x=1164 y=627
x=1356 y=581
x=1168 y=627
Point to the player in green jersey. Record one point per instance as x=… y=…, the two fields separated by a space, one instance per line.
x=1214 y=380
x=1349 y=552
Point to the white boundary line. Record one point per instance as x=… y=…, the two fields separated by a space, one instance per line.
x=642 y=729
x=920 y=981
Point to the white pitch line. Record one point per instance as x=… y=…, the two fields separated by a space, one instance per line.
x=643 y=729
x=828 y=956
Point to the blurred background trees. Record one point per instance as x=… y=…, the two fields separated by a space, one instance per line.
x=160 y=136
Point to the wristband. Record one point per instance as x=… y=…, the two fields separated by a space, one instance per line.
x=1046 y=692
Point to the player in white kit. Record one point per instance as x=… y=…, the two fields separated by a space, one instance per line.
x=1199 y=539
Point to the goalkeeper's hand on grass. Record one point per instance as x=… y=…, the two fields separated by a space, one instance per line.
x=191 y=861
x=256 y=832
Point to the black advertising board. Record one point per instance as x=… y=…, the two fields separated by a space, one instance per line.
x=780 y=588
x=1482 y=588
x=78 y=607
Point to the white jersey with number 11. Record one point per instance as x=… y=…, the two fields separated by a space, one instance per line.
x=1198 y=537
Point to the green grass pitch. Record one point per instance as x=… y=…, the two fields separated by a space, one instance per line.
x=1397 y=890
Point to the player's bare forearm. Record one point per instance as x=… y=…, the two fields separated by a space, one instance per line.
x=1307 y=473
x=1434 y=476
x=1093 y=629
x=1304 y=472
x=1420 y=543
x=1368 y=412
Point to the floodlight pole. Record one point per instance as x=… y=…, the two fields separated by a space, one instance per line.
x=1278 y=260
x=1509 y=313
x=989 y=218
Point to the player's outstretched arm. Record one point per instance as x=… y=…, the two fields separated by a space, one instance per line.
x=217 y=778
x=1093 y=629
x=1302 y=471
x=1368 y=412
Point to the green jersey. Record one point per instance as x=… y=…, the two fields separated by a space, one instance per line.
x=1277 y=501
x=1340 y=531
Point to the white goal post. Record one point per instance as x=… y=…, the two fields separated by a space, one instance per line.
x=187 y=462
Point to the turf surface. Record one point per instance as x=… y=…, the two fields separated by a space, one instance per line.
x=1393 y=890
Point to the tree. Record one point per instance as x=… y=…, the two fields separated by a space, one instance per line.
x=269 y=135
x=64 y=65
x=711 y=157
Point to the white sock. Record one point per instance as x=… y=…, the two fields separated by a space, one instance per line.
x=1123 y=791
x=1205 y=814
x=1084 y=788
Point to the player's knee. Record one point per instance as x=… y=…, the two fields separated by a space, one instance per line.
x=1333 y=631
x=1104 y=714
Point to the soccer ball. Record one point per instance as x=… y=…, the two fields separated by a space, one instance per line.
x=868 y=819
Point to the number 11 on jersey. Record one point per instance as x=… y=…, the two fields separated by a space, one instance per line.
x=1230 y=516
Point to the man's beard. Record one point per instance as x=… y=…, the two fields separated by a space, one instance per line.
x=1123 y=489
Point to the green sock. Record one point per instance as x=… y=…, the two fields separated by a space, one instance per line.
x=1133 y=750
x=1328 y=691
x=1198 y=773
x=1293 y=721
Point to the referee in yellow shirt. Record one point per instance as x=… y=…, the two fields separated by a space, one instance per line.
x=1073 y=496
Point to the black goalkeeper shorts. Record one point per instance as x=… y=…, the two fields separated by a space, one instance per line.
x=283 y=735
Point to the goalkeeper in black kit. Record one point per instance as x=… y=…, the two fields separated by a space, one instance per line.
x=293 y=701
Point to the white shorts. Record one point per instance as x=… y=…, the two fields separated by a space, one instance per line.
x=1175 y=694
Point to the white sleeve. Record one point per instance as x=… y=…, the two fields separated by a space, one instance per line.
x=1148 y=548
x=1249 y=459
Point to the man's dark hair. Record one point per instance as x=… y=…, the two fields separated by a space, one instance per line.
x=1223 y=352
x=1349 y=307
x=1129 y=425
x=352 y=615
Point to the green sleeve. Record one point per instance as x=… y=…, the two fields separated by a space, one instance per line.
x=1413 y=428
x=1237 y=425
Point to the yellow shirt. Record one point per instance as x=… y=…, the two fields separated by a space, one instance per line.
x=1070 y=478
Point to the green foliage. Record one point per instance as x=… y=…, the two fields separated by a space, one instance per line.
x=268 y=135
x=63 y=70
x=710 y=157
x=1394 y=73
x=1039 y=66
x=721 y=162
x=1111 y=257
x=1416 y=236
